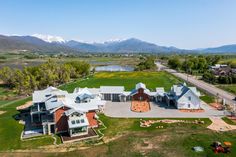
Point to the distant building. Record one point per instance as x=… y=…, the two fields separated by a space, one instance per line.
x=222 y=70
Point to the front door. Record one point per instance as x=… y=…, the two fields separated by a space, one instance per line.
x=52 y=128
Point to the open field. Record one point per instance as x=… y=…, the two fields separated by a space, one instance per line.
x=6 y=95
x=230 y=88
x=18 y=61
x=124 y=137
x=10 y=130
x=126 y=79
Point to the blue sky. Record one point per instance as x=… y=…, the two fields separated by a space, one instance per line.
x=180 y=23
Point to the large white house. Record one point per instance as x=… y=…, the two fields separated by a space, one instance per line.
x=183 y=97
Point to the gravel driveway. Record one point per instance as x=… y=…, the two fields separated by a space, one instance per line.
x=122 y=110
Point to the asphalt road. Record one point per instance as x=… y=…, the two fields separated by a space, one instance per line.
x=201 y=84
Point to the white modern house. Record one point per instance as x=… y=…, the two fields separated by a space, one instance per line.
x=58 y=111
x=183 y=97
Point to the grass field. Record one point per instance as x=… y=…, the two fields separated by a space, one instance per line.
x=127 y=139
x=126 y=79
x=10 y=130
x=207 y=99
x=229 y=121
x=6 y=95
x=230 y=88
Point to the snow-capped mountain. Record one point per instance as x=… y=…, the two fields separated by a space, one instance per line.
x=56 y=44
x=49 y=38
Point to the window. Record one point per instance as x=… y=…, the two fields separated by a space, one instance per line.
x=77 y=121
x=189 y=105
x=72 y=122
x=189 y=98
x=82 y=120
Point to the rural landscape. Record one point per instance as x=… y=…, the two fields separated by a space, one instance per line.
x=65 y=96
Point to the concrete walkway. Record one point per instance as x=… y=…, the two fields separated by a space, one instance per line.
x=219 y=125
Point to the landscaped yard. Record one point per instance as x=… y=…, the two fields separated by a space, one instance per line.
x=126 y=79
x=207 y=98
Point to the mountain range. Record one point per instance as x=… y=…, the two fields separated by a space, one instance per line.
x=51 y=44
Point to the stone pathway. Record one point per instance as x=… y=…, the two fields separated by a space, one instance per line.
x=219 y=125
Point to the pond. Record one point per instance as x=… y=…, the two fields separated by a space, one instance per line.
x=114 y=68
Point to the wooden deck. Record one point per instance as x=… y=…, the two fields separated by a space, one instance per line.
x=140 y=106
x=91 y=118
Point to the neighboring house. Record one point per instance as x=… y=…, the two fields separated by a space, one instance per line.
x=183 y=97
x=62 y=112
x=222 y=70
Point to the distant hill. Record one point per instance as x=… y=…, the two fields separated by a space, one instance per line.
x=51 y=44
x=130 y=45
x=33 y=44
x=222 y=49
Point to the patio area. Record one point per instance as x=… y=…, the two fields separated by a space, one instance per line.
x=67 y=139
x=140 y=106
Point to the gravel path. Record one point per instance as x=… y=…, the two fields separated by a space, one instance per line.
x=219 y=125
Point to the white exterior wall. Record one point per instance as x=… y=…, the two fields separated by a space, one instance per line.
x=183 y=102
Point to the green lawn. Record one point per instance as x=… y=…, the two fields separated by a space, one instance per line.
x=10 y=130
x=128 y=139
x=6 y=95
x=207 y=99
x=126 y=79
x=230 y=88
x=228 y=121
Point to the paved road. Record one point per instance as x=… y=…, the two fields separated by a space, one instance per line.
x=201 y=84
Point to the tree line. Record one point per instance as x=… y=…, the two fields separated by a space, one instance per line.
x=208 y=76
x=49 y=73
x=200 y=64
x=189 y=64
x=146 y=63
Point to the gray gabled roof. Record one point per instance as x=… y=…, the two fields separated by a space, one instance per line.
x=112 y=89
x=43 y=95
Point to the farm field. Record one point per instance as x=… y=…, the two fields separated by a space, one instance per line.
x=19 y=61
x=126 y=79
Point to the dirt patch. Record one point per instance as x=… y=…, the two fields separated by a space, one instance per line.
x=26 y=105
x=149 y=123
x=217 y=106
x=147 y=144
x=140 y=106
x=1 y=112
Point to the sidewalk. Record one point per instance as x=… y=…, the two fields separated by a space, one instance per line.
x=219 y=125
